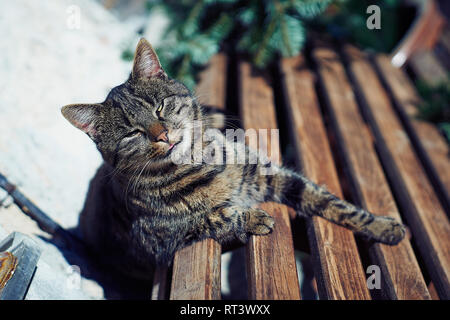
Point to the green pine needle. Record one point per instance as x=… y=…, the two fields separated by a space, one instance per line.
x=263 y=28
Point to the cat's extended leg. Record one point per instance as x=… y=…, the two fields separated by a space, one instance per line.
x=227 y=223
x=310 y=199
x=258 y=222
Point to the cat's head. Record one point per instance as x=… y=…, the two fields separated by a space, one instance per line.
x=141 y=120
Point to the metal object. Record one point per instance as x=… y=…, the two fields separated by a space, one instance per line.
x=8 y=264
x=28 y=207
x=18 y=263
x=44 y=222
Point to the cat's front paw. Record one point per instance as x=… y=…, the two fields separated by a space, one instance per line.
x=259 y=222
x=388 y=230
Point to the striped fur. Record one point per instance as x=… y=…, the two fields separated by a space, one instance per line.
x=141 y=207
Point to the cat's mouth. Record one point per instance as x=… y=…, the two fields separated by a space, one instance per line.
x=172 y=146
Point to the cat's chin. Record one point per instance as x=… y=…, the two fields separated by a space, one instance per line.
x=174 y=146
x=179 y=154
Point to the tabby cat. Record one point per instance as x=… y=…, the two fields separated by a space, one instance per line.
x=145 y=206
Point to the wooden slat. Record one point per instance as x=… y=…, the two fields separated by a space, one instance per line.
x=196 y=268
x=338 y=266
x=196 y=272
x=432 y=146
x=401 y=272
x=211 y=88
x=160 y=286
x=434 y=295
x=427 y=67
x=271 y=269
x=419 y=203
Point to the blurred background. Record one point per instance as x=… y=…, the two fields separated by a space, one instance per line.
x=58 y=52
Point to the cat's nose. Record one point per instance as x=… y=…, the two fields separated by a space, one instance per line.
x=162 y=137
x=158 y=132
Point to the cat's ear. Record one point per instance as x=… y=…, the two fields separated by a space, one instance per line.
x=146 y=64
x=83 y=116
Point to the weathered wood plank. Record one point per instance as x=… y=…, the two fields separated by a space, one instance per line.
x=415 y=194
x=196 y=272
x=426 y=66
x=432 y=147
x=196 y=269
x=339 y=270
x=211 y=88
x=401 y=272
x=271 y=269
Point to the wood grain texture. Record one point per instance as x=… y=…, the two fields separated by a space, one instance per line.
x=196 y=268
x=271 y=269
x=432 y=146
x=338 y=266
x=211 y=88
x=401 y=273
x=418 y=201
x=196 y=272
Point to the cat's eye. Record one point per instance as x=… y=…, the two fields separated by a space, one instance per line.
x=159 y=108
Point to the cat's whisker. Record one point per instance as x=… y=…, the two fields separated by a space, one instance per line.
x=118 y=170
x=138 y=176
x=127 y=188
x=199 y=97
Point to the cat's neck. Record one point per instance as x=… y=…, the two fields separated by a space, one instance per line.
x=142 y=180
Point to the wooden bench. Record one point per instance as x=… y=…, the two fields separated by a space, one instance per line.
x=346 y=117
